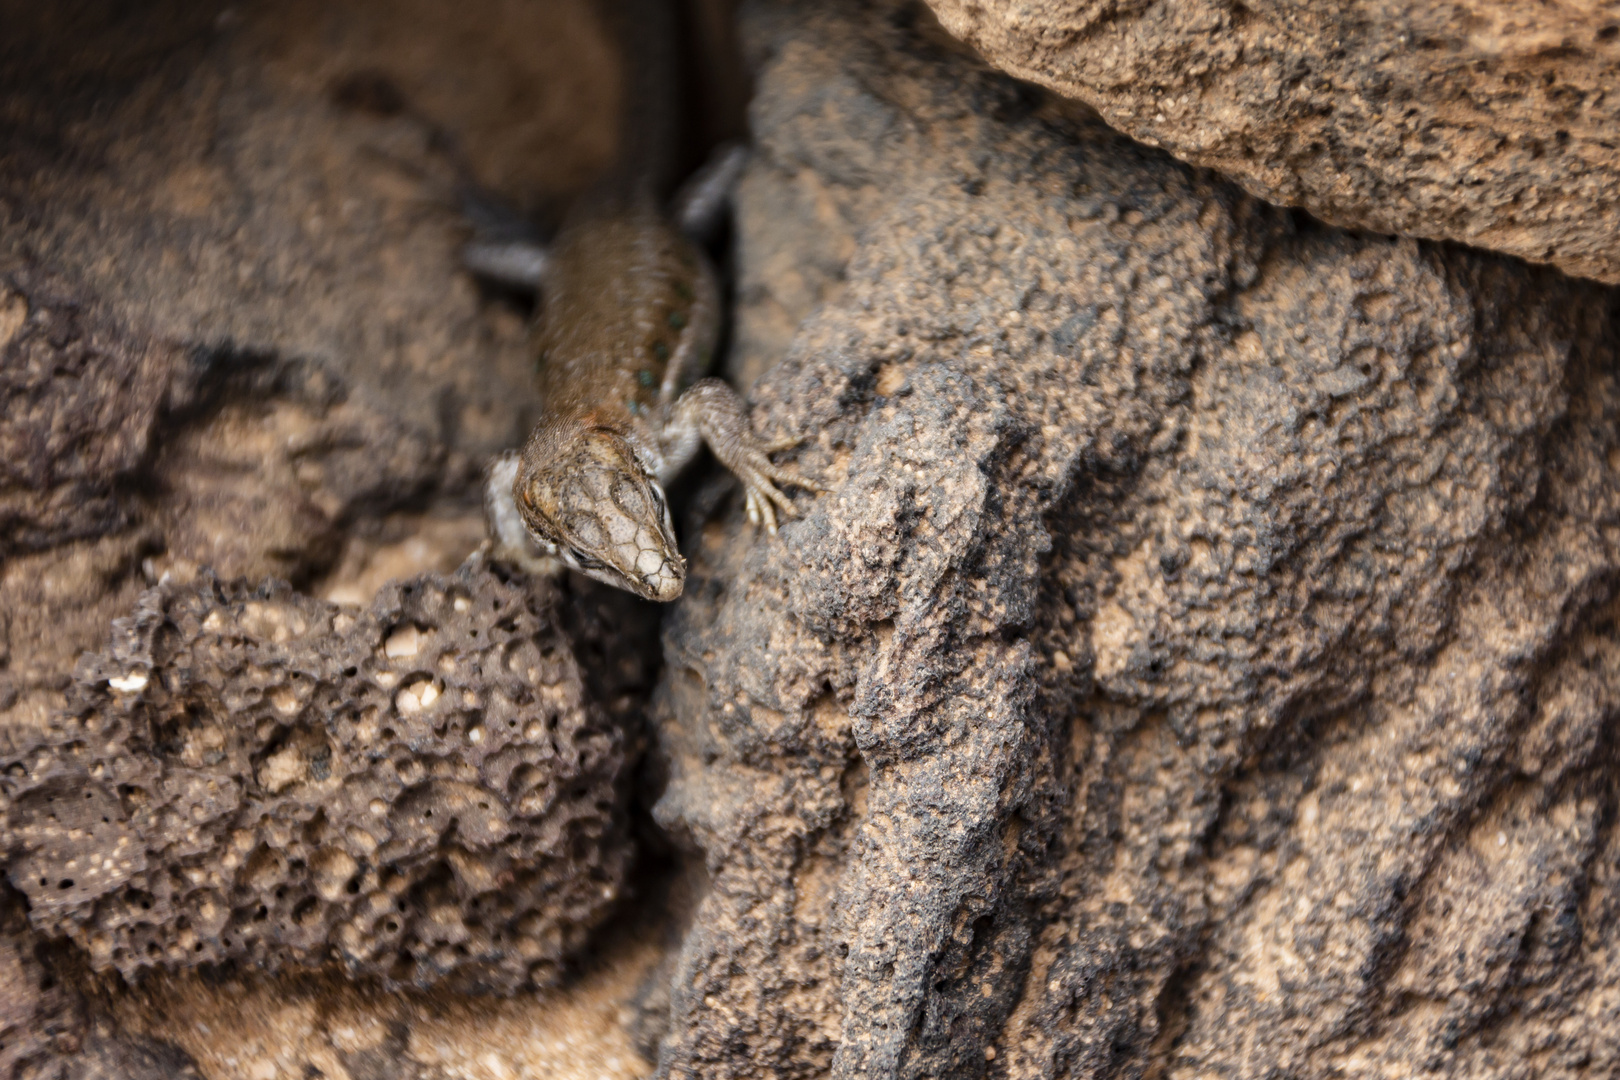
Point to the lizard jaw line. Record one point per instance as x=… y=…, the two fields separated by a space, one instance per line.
x=662 y=584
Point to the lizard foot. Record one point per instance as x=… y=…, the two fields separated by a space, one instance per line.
x=716 y=411
x=508 y=539
x=765 y=499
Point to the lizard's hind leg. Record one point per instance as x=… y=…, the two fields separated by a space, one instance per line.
x=516 y=264
x=700 y=206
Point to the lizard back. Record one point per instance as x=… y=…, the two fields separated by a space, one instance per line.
x=630 y=319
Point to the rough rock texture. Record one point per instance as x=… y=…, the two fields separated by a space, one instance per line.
x=233 y=327
x=248 y=1028
x=419 y=791
x=1205 y=661
x=234 y=334
x=37 y=1013
x=46 y=1030
x=1490 y=122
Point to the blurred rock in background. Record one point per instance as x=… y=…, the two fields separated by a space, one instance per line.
x=1490 y=123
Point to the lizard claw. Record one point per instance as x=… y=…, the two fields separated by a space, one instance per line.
x=718 y=413
x=785 y=443
x=765 y=499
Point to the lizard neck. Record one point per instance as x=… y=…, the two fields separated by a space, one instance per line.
x=559 y=435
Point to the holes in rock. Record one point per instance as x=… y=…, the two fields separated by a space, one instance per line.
x=315 y=831
x=269 y=908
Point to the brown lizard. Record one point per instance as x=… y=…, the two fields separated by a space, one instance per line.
x=630 y=316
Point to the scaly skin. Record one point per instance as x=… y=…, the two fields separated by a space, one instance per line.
x=630 y=316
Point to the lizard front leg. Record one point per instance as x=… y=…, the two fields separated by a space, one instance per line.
x=715 y=412
x=508 y=538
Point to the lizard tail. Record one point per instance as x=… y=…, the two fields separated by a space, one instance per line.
x=649 y=33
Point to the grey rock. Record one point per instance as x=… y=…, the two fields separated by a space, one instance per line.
x=1487 y=123
x=1194 y=579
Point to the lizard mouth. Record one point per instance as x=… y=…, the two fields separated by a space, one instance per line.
x=652 y=575
x=665 y=583
x=627 y=547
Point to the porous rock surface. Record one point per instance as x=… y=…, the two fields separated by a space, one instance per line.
x=46 y=1032
x=1489 y=122
x=419 y=791
x=1205 y=659
x=234 y=331
x=235 y=335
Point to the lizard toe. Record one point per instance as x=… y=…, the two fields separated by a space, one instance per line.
x=764 y=470
x=769 y=494
x=760 y=511
x=789 y=476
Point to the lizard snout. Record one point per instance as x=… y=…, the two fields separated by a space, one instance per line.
x=666 y=583
x=632 y=552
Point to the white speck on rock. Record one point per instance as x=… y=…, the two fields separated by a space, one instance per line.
x=132 y=683
x=406 y=641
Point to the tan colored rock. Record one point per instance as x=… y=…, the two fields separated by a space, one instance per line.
x=248 y=1027
x=234 y=334
x=1491 y=123
x=1204 y=660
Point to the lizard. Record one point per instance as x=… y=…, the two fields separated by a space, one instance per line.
x=627 y=327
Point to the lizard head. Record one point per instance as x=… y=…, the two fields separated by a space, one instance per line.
x=593 y=503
